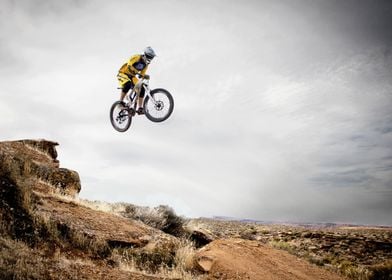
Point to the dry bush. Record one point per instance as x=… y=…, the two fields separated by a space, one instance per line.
x=248 y=233
x=282 y=245
x=111 y=208
x=160 y=261
x=60 y=235
x=65 y=235
x=18 y=216
x=381 y=271
x=4 y=227
x=143 y=260
x=354 y=271
x=17 y=262
x=92 y=245
x=351 y=270
x=161 y=217
x=20 y=262
x=185 y=256
x=17 y=203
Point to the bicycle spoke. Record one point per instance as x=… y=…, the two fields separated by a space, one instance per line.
x=120 y=117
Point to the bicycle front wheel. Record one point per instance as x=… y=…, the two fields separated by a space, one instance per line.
x=120 y=117
x=160 y=107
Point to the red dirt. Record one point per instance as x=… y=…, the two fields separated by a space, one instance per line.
x=241 y=259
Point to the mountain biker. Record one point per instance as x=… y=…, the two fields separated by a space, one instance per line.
x=136 y=65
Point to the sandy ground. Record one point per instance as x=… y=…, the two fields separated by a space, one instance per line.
x=241 y=259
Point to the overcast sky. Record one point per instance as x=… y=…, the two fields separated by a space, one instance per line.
x=283 y=109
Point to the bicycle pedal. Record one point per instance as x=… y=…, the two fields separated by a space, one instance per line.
x=132 y=112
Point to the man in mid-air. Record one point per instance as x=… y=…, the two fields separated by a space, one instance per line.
x=136 y=65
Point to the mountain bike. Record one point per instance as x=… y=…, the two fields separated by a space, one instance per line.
x=158 y=105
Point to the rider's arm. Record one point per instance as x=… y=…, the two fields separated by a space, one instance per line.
x=131 y=62
x=143 y=72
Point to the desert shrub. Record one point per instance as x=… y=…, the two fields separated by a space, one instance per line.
x=352 y=270
x=161 y=217
x=265 y=231
x=16 y=210
x=282 y=245
x=317 y=260
x=80 y=240
x=249 y=234
x=381 y=271
x=185 y=256
x=16 y=262
x=162 y=261
x=142 y=260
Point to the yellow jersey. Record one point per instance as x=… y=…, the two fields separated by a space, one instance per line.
x=135 y=65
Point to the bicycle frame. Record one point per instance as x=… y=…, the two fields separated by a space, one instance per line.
x=131 y=96
x=157 y=104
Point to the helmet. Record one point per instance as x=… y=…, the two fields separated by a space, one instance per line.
x=149 y=54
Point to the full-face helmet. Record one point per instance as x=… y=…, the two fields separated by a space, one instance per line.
x=148 y=55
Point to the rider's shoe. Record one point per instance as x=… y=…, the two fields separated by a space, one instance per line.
x=140 y=111
x=132 y=111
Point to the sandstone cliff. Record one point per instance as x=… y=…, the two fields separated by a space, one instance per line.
x=47 y=234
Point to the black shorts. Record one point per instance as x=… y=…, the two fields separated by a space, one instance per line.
x=127 y=86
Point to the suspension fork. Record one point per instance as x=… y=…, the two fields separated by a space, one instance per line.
x=148 y=93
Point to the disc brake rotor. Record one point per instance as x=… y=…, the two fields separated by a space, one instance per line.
x=159 y=105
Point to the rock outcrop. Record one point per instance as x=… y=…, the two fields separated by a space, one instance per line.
x=37 y=160
x=38 y=207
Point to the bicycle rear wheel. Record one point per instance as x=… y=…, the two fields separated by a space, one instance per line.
x=120 y=117
x=161 y=107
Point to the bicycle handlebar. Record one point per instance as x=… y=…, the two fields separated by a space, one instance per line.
x=147 y=77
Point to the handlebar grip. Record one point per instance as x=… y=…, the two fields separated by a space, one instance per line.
x=140 y=76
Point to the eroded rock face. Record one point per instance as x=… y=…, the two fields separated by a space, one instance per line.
x=32 y=210
x=36 y=160
x=199 y=235
x=45 y=146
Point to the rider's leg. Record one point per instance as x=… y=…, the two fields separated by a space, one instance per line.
x=140 y=100
x=125 y=84
x=140 y=105
x=125 y=88
x=123 y=93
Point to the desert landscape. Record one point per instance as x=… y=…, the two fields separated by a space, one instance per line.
x=47 y=232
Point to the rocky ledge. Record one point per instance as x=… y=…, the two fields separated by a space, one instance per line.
x=36 y=160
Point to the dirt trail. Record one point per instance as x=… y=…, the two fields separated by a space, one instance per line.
x=241 y=259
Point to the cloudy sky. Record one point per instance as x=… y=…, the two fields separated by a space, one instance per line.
x=283 y=109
